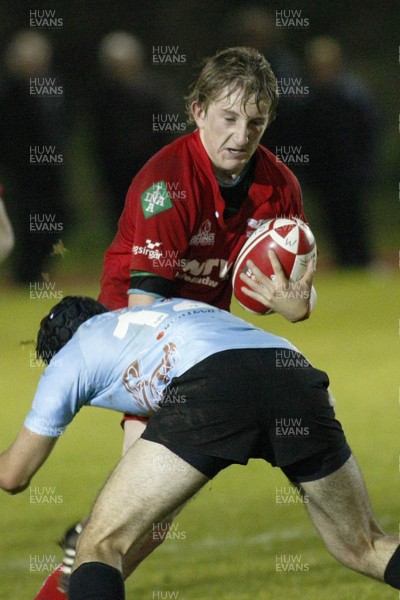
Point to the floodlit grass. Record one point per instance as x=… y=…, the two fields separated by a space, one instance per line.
x=229 y=540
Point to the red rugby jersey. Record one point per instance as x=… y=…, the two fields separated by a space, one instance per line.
x=173 y=226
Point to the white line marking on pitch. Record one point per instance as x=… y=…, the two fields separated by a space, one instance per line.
x=261 y=539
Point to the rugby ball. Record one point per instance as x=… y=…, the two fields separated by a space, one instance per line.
x=294 y=244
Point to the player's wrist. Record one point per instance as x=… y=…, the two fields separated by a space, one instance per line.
x=311 y=302
x=304 y=317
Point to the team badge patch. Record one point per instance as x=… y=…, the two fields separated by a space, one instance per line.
x=156 y=199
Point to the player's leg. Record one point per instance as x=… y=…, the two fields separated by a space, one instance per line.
x=341 y=512
x=148 y=484
x=133 y=429
x=147 y=544
x=56 y=585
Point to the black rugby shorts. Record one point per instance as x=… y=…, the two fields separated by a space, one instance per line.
x=265 y=403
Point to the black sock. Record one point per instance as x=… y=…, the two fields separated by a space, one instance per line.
x=96 y=581
x=392 y=571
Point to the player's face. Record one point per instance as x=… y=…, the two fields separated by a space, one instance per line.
x=230 y=131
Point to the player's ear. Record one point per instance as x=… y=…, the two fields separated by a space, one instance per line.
x=199 y=113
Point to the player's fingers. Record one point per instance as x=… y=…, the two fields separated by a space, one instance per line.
x=258 y=273
x=253 y=293
x=309 y=274
x=258 y=286
x=255 y=276
x=276 y=265
x=251 y=280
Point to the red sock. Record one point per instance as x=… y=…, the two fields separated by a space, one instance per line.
x=50 y=589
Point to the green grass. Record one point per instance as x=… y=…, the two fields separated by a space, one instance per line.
x=228 y=537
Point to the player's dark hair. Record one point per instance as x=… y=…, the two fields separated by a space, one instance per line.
x=58 y=327
x=236 y=69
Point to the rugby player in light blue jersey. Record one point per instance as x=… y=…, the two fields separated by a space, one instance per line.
x=218 y=391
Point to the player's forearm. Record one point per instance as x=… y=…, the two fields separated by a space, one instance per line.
x=7 y=482
x=146 y=288
x=140 y=300
x=11 y=481
x=23 y=459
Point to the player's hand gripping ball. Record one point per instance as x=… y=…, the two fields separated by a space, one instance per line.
x=293 y=243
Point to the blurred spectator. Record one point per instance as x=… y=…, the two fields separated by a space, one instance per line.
x=340 y=127
x=31 y=152
x=125 y=104
x=256 y=27
x=6 y=230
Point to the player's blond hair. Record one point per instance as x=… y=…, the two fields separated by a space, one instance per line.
x=235 y=69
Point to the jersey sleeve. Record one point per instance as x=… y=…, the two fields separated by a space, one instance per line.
x=116 y=268
x=278 y=186
x=61 y=392
x=297 y=196
x=292 y=199
x=154 y=229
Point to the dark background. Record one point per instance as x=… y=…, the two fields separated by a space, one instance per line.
x=368 y=31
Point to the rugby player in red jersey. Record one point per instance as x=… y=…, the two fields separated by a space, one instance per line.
x=190 y=209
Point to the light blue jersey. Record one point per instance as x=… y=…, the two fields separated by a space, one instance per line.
x=124 y=360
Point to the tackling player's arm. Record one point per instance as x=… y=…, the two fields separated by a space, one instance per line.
x=23 y=459
x=146 y=287
x=59 y=395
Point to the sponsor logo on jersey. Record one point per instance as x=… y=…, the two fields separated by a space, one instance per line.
x=203 y=272
x=151 y=249
x=156 y=199
x=203 y=237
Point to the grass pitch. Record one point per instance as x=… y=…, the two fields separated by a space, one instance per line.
x=236 y=539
